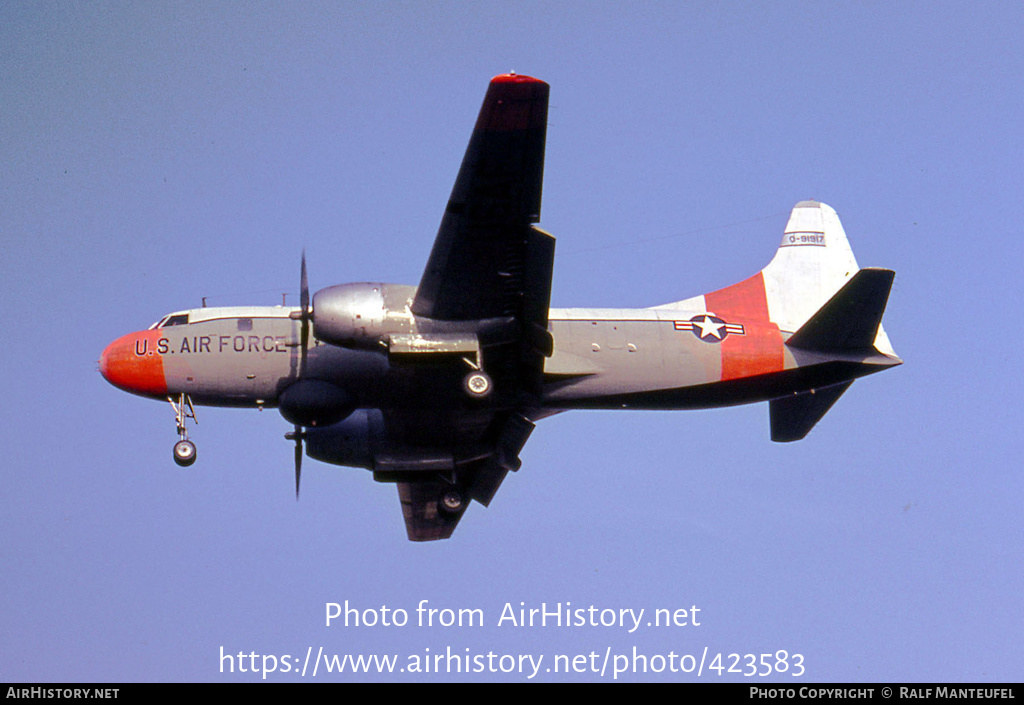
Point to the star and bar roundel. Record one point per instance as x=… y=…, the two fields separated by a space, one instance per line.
x=709 y=328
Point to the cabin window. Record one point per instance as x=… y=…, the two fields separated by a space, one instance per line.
x=244 y=324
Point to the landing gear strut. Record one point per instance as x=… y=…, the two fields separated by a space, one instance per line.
x=184 y=449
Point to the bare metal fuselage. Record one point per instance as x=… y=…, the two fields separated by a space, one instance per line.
x=603 y=358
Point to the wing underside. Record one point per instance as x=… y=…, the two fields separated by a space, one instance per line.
x=474 y=470
x=425 y=520
x=489 y=275
x=477 y=266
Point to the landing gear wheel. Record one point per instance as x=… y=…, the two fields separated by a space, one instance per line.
x=477 y=384
x=451 y=502
x=184 y=453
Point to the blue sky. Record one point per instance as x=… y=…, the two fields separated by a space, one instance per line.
x=157 y=153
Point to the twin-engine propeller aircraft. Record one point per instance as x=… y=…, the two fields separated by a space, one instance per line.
x=437 y=387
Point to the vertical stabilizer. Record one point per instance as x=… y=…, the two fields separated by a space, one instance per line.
x=813 y=262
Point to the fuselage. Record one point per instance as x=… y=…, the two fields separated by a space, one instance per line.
x=651 y=358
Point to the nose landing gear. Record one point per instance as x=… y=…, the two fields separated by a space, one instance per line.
x=184 y=449
x=184 y=453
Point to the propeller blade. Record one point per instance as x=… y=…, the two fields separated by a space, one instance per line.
x=304 y=315
x=298 y=460
x=304 y=291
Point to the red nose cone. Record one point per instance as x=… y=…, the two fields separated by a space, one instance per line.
x=133 y=364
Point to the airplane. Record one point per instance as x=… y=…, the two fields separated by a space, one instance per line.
x=437 y=387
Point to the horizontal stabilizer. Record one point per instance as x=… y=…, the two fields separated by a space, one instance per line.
x=793 y=417
x=848 y=321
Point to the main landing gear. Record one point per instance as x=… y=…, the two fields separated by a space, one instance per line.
x=184 y=449
x=477 y=384
x=451 y=502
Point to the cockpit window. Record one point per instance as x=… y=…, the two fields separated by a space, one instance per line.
x=179 y=320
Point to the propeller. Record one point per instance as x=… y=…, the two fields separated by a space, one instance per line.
x=303 y=315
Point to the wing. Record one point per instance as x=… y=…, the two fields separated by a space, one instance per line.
x=433 y=504
x=425 y=519
x=489 y=263
x=478 y=266
x=488 y=275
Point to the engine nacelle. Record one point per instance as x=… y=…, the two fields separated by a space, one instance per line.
x=362 y=315
x=313 y=402
x=360 y=441
x=351 y=442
